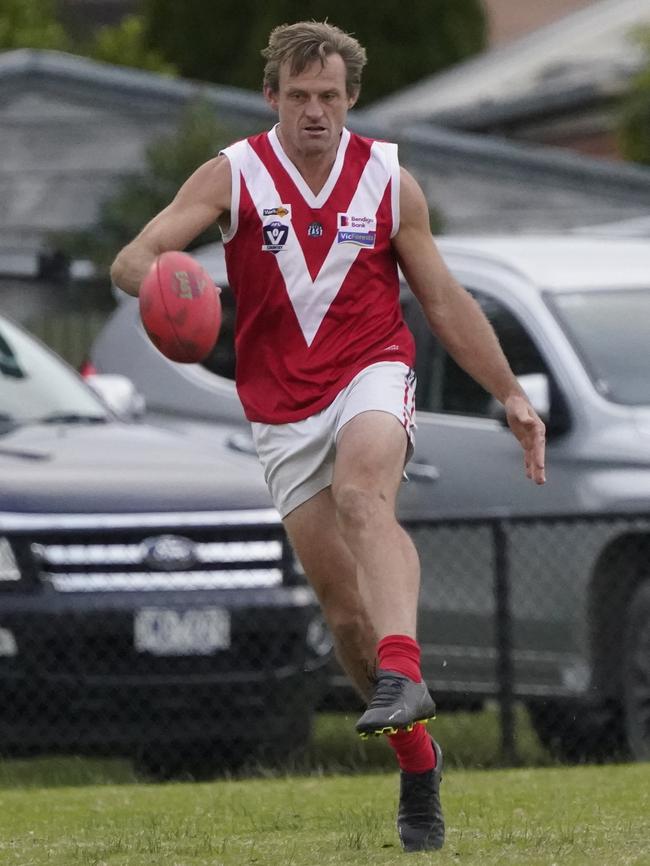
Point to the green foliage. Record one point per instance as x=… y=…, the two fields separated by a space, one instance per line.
x=125 y=45
x=222 y=42
x=634 y=126
x=169 y=162
x=30 y=24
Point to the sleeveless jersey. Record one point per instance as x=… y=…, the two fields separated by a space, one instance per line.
x=314 y=275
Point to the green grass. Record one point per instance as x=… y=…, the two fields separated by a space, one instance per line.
x=531 y=817
x=340 y=810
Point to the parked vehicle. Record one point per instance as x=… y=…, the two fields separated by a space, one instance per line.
x=149 y=602
x=573 y=316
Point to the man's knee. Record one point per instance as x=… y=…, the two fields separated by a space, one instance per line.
x=357 y=507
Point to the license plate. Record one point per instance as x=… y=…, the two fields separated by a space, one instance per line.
x=168 y=632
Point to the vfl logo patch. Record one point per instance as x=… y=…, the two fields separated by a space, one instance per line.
x=275 y=236
x=275 y=227
x=358 y=230
x=314 y=230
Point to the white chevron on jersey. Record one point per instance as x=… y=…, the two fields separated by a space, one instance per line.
x=313 y=200
x=311 y=299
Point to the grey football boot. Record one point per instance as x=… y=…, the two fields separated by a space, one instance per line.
x=420 y=822
x=397 y=703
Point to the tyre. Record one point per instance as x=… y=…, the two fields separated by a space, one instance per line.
x=636 y=673
x=197 y=761
x=575 y=733
x=208 y=759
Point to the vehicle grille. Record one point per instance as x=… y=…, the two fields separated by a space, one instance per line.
x=150 y=559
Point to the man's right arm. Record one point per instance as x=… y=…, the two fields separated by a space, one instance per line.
x=199 y=203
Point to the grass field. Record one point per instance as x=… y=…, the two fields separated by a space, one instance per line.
x=543 y=816
x=67 y=812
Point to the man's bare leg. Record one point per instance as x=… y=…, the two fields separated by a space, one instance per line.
x=368 y=471
x=332 y=572
x=317 y=530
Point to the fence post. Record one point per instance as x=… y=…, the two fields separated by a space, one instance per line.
x=503 y=637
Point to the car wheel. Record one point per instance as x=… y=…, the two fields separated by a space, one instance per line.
x=636 y=673
x=161 y=762
x=209 y=759
x=575 y=733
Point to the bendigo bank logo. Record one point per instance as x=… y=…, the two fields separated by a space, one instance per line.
x=358 y=230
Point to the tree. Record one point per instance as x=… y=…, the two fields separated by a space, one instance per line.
x=169 y=162
x=30 y=24
x=223 y=44
x=125 y=45
x=634 y=126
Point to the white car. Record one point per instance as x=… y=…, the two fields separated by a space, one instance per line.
x=545 y=591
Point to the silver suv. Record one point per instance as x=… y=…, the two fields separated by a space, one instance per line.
x=573 y=316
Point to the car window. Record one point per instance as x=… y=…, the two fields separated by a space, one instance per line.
x=444 y=387
x=34 y=384
x=221 y=360
x=611 y=332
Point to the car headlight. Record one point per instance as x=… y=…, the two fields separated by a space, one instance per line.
x=9 y=570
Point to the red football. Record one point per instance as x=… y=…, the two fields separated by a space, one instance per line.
x=180 y=308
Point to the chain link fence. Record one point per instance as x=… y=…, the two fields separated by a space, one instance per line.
x=194 y=649
x=550 y=612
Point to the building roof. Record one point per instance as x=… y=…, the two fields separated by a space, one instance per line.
x=588 y=54
x=72 y=128
x=69 y=75
x=483 y=184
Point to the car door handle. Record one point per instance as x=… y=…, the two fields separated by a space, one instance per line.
x=422 y=472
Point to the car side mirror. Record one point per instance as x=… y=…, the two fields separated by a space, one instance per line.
x=119 y=394
x=538 y=390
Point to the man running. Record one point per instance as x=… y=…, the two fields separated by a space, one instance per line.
x=315 y=221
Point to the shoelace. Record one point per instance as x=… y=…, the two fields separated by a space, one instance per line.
x=388 y=689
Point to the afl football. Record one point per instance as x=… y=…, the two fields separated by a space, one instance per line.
x=180 y=308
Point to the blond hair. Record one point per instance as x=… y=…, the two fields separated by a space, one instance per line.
x=302 y=43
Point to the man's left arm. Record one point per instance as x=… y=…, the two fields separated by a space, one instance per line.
x=460 y=324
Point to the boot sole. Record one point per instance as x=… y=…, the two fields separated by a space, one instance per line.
x=391 y=729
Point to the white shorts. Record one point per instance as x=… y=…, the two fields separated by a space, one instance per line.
x=298 y=458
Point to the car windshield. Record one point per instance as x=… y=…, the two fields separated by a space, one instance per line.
x=611 y=331
x=35 y=387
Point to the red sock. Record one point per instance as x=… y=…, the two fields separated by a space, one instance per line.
x=414 y=750
x=400 y=653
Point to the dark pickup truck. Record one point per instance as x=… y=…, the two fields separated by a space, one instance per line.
x=150 y=604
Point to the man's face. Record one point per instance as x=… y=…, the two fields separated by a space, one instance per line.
x=312 y=107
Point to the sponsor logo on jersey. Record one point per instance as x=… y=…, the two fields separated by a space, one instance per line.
x=358 y=230
x=282 y=210
x=275 y=236
x=314 y=230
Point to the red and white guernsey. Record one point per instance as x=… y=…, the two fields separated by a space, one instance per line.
x=314 y=276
